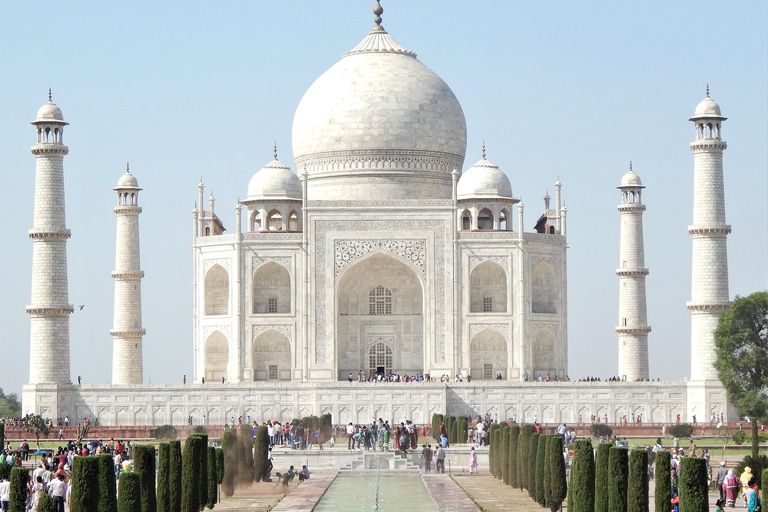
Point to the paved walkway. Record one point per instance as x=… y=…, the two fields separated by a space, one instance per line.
x=268 y=496
x=447 y=494
x=305 y=497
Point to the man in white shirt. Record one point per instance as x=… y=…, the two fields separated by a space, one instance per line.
x=57 y=488
x=5 y=493
x=350 y=433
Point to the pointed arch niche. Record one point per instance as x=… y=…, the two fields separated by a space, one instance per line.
x=488 y=288
x=216 y=356
x=271 y=356
x=271 y=289
x=488 y=354
x=543 y=289
x=544 y=353
x=216 y=291
x=380 y=299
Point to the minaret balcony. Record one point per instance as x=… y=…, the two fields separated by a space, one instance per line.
x=709 y=229
x=127 y=275
x=633 y=330
x=56 y=234
x=709 y=306
x=49 y=148
x=628 y=272
x=631 y=207
x=128 y=208
x=51 y=310
x=708 y=145
x=128 y=333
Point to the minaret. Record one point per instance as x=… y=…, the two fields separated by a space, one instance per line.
x=633 y=326
x=127 y=333
x=49 y=309
x=709 y=271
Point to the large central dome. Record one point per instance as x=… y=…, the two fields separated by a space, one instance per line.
x=379 y=124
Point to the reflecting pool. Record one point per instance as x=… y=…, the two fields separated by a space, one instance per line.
x=376 y=490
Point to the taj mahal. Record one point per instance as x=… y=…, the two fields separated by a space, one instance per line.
x=386 y=251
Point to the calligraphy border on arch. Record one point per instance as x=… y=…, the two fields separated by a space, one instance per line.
x=349 y=251
x=209 y=329
x=501 y=260
x=285 y=261
x=321 y=230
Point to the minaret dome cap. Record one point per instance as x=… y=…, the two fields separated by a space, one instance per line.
x=707 y=109
x=49 y=113
x=127 y=181
x=631 y=180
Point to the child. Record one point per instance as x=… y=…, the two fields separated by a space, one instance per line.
x=719 y=504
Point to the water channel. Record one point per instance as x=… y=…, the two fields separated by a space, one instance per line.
x=381 y=491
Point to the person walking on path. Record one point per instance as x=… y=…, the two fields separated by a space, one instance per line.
x=472 y=461
x=426 y=456
x=440 y=468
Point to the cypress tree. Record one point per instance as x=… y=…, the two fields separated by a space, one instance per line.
x=491 y=446
x=2 y=436
x=175 y=471
x=694 y=496
x=514 y=435
x=663 y=479
x=245 y=457
x=18 y=495
x=558 y=481
x=618 y=473
x=107 y=483
x=229 y=446
x=520 y=458
x=601 y=477
x=85 y=496
x=129 y=493
x=190 y=480
x=763 y=492
x=144 y=465
x=45 y=502
x=437 y=420
x=219 y=466
x=163 y=475
x=582 y=488
x=212 y=477
x=461 y=429
x=504 y=453
x=637 y=492
x=523 y=449
x=542 y=475
x=448 y=427
x=533 y=447
x=261 y=452
x=203 y=470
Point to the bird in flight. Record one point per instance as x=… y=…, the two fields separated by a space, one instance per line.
x=81 y=306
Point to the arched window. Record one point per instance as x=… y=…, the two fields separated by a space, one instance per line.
x=380 y=359
x=504 y=223
x=293 y=221
x=380 y=301
x=256 y=221
x=216 y=291
x=543 y=289
x=271 y=289
x=466 y=220
x=207 y=231
x=485 y=219
x=488 y=288
x=551 y=230
x=274 y=221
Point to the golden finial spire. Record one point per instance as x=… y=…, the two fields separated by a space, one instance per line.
x=630 y=166
x=483 y=150
x=378 y=10
x=274 y=150
x=127 y=167
x=50 y=97
x=707 y=90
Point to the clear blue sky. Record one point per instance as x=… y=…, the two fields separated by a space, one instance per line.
x=184 y=89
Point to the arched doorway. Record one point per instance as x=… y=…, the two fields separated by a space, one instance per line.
x=488 y=355
x=216 y=291
x=380 y=303
x=271 y=356
x=216 y=356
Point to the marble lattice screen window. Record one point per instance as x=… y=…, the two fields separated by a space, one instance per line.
x=380 y=301
x=488 y=371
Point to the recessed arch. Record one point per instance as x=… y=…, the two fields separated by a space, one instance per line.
x=217 y=291
x=216 y=356
x=488 y=354
x=543 y=289
x=488 y=288
x=466 y=220
x=274 y=220
x=293 y=221
x=485 y=219
x=544 y=353
x=271 y=289
x=505 y=224
x=256 y=220
x=271 y=356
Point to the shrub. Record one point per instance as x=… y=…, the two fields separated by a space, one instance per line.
x=326 y=424
x=175 y=470
x=514 y=437
x=199 y=429
x=618 y=473
x=437 y=419
x=533 y=446
x=763 y=493
x=540 y=469
x=504 y=453
x=449 y=427
x=558 y=480
x=144 y=465
x=18 y=498
x=663 y=479
x=190 y=479
x=229 y=445
x=739 y=437
x=637 y=491
x=107 y=483
x=245 y=457
x=601 y=477
x=163 y=476
x=461 y=429
x=212 y=477
x=129 y=493
x=547 y=474
x=45 y=502
x=694 y=496
x=85 y=472
x=522 y=454
x=681 y=430
x=582 y=488
x=260 y=455
x=164 y=432
x=203 y=470
x=219 y=466
x=492 y=448
x=600 y=429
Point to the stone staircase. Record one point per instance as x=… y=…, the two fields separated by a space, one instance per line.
x=392 y=461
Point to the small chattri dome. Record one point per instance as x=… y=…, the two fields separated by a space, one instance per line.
x=484 y=179
x=707 y=109
x=49 y=113
x=127 y=180
x=274 y=181
x=631 y=179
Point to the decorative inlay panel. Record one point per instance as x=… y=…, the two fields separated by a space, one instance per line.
x=501 y=260
x=224 y=262
x=476 y=328
x=347 y=251
x=210 y=329
x=384 y=203
x=286 y=329
x=257 y=261
x=538 y=258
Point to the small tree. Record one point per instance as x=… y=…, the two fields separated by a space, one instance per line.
x=144 y=465
x=166 y=432
x=45 y=502
x=540 y=470
x=694 y=496
x=663 y=480
x=600 y=429
x=681 y=430
x=163 y=477
x=37 y=425
x=18 y=495
x=558 y=480
x=533 y=447
x=637 y=493
x=129 y=493
x=601 y=477
x=85 y=495
x=219 y=466
x=260 y=455
x=449 y=431
x=523 y=449
x=618 y=476
x=582 y=488
x=175 y=478
x=245 y=457
x=547 y=473
x=107 y=483
x=212 y=477
x=504 y=453
x=492 y=448
x=514 y=436
x=203 y=469
x=229 y=445
x=190 y=480
x=437 y=420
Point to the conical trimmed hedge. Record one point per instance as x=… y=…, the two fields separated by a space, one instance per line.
x=163 y=475
x=540 y=469
x=504 y=453
x=203 y=470
x=492 y=449
x=601 y=477
x=693 y=485
x=107 y=483
x=129 y=493
x=260 y=455
x=229 y=445
x=144 y=465
x=663 y=489
x=212 y=477
x=618 y=479
x=533 y=448
x=514 y=436
x=245 y=456
x=437 y=420
x=85 y=495
x=190 y=478
x=45 y=502
x=18 y=497
x=637 y=493
x=219 y=465
x=582 y=488
x=175 y=470
x=557 y=481
x=523 y=450
x=547 y=472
